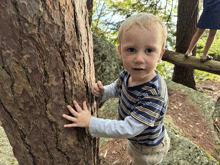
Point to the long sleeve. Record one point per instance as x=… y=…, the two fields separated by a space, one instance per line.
x=127 y=128
x=109 y=92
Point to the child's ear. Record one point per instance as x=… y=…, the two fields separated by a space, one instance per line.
x=161 y=55
x=119 y=51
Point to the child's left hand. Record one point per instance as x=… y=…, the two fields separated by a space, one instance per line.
x=81 y=117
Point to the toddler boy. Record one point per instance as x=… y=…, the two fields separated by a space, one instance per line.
x=142 y=93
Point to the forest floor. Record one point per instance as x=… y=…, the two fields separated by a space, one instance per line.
x=186 y=116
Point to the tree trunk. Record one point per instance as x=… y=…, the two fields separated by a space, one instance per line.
x=211 y=66
x=186 y=27
x=46 y=62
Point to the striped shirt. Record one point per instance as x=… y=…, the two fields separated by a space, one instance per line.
x=141 y=110
x=147 y=103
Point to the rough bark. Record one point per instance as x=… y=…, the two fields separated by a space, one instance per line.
x=46 y=62
x=191 y=62
x=186 y=26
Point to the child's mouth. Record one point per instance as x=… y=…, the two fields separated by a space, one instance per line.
x=138 y=69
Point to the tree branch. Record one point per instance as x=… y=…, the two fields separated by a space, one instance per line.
x=191 y=62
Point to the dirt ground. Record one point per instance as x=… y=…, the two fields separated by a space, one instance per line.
x=185 y=115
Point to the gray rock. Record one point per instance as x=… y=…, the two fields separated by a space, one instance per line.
x=216 y=114
x=185 y=152
x=106 y=60
x=204 y=103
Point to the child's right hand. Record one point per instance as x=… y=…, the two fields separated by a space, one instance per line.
x=98 y=89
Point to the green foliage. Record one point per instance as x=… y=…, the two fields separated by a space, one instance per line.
x=214 y=50
x=165 y=69
x=99 y=11
x=109 y=14
x=210 y=156
x=205 y=76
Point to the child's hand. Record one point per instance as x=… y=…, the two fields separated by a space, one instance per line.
x=98 y=89
x=81 y=118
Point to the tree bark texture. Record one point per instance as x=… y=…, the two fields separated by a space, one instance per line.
x=46 y=62
x=186 y=27
x=192 y=62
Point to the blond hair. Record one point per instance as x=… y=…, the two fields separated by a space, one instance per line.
x=143 y=20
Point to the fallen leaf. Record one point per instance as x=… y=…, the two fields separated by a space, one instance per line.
x=114 y=152
x=105 y=153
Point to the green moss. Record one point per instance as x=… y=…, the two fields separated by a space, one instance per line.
x=209 y=156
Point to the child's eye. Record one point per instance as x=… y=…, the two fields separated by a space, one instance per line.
x=149 y=50
x=132 y=50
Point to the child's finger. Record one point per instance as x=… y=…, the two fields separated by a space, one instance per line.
x=70 y=125
x=100 y=86
x=70 y=118
x=96 y=93
x=85 y=106
x=78 y=108
x=96 y=88
x=72 y=111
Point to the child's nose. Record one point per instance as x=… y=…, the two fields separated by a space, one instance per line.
x=139 y=58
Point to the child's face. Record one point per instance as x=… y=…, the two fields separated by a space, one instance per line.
x=140 y=50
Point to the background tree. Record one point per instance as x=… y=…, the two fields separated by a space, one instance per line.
x=186 y=27
x=46 y=62
x=89 y=4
